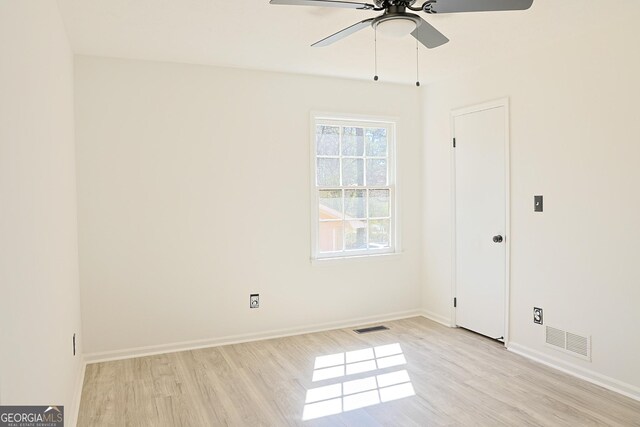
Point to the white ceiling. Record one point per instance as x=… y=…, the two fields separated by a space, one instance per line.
x=254 y=34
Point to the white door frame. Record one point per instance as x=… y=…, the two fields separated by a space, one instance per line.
x=502 y=102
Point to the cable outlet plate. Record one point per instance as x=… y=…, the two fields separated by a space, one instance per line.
x=254 y=301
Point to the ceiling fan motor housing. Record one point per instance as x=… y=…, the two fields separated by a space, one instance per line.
x=388 y=3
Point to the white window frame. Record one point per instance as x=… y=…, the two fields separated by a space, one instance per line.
x=359 y=121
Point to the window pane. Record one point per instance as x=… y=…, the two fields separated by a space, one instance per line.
x=376 y=172
x=378 y=203
x=330 y=236
x=327 y=140
x=352 y=172
x=328 y=172
x=355 y=234
x=352 y=141
x=355 y=203
x=376 y=139
x=378 y=233
x=330 y=204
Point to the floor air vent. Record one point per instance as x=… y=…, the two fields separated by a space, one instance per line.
x=574 y=344
x=370 y=329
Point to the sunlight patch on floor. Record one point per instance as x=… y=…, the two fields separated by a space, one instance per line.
x=359 y=393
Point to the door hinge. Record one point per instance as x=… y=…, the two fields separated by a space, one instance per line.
x=455 y=302
x=454 y=143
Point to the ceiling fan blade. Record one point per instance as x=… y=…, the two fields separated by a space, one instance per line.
x=428 y=35
x=454 y=6
x=325 y=3
x=343 y=33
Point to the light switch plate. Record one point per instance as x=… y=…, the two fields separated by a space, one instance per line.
x=537 y=203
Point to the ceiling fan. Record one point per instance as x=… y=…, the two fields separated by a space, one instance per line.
x=396 y=21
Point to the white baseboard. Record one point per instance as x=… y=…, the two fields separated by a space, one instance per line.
x=72 y=415
x=236 y=339
x=437 y=318
x=609 y=383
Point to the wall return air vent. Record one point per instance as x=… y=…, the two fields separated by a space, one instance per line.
x=568 y=342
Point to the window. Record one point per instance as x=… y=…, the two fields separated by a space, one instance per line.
x=353 y=201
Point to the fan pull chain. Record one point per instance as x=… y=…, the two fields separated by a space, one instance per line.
x=417 y=65
x=375 y=53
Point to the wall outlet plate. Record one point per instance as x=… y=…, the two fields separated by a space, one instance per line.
x=254 y=301
x=537 y=315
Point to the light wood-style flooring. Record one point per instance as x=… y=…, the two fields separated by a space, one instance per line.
x=418 y=373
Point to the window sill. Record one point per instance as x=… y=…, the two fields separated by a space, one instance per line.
x=356 y=258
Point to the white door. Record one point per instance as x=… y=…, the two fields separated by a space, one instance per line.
x=480 y=219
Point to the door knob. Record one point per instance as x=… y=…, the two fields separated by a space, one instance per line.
x=497 y=239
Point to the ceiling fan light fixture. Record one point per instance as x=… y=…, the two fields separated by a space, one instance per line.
x=397 y=27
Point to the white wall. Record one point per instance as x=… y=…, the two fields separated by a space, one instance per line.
x=39 y=294
x=193 y=187
x=575 y=140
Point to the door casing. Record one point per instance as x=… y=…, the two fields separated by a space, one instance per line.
x=502 y=102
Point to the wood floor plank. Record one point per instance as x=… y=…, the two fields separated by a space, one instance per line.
x=441 y=377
